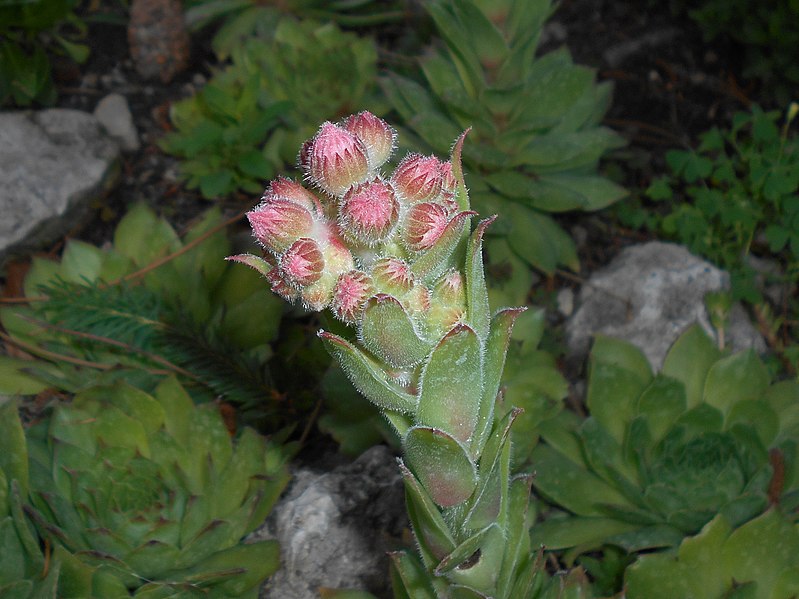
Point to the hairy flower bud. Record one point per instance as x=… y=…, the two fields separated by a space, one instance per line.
x=280 y=287
x=368 y=212
x=448 y=302
x=352 y=290
x=337 y=260
x=392 y=276
x=283 y=187
x=450 y=289
x=335 y=160
x=417 y=300
x=424 y=225
x=417 y=178
x=377 y=136
x=302 y=264
x=277 y=223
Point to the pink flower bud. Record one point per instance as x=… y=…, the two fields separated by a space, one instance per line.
x=338 y=257
x=377 y=136
x=352 y=290
x=392 y=275
x=448 y=304
x=417 y=178
x=417 y=300
x=424 y=225
x=280 y=287
x=335 y=160
x=368 y=212
x=291 y=190
x=277 y=223
x=303 y=263
x=337 y=260
x=450 y=288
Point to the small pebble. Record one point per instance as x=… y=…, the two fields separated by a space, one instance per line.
x=114 y=115
x=565 y=301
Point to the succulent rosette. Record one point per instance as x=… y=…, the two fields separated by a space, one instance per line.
x=393 y=256
x=661 y=455
x=143 y=495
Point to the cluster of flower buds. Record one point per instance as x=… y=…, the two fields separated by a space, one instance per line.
x=359 y=233
x=394 y=256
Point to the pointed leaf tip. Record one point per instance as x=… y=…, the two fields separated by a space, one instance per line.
x=368 y=376
x=259 y=264
x=458 y=328
x=483 y=224
x=457 y=147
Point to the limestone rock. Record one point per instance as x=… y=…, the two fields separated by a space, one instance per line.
x=648 y=296
x=53 y=163
x=334 y=528
x=114 y=115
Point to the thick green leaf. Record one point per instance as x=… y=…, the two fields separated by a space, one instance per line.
x=562 y=533
x=479 y=575
x=595 y=192
x=81 y=262
x=462 y=49
x=143 y=237
x=490 y=497
x=244 y=566
x=535 y=191
x=409 y=578
x=434 y=262
x=757 y=414
x=442 y=465
x=697 y=572
x=14 y=380
x=517 y=548
x=465 y=550
x=735 y=378
x=451 y=384
x=388 y=332
x=660 y=404
x=431 y=531
x=619 y=372
x=569 y=485
x=496 y=348
x=537 y=239
x=368 y=376
x=761 y=549
x=326 y=593
x=604 y=456
x=689 y=359
x=478 y=313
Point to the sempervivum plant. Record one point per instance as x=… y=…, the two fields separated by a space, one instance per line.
x=756 y=560
x=536 y=137
x=392 y=255
x=660 y=456
x=144 y=495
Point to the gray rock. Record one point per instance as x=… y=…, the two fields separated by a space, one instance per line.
x=649 y=295
x=53 y=163
x=334 y=528
x=114 y=115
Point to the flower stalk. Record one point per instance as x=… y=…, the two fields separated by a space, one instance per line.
x=394 y=256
